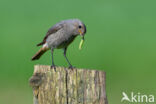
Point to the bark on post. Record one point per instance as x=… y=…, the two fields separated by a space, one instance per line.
x=65 y=86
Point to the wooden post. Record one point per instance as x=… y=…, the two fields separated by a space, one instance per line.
x=66 y=86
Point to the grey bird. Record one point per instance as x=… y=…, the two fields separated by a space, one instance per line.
x=60 y=36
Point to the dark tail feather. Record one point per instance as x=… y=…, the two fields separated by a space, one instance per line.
x=39 y=54
x=40 y=43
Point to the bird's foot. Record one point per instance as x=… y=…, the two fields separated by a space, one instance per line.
x=53 y=67
x=71 y=67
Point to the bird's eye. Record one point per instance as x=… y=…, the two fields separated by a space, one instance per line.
x=80 y=26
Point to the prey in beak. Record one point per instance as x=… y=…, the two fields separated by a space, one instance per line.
x=81 y=34
x=82 y=28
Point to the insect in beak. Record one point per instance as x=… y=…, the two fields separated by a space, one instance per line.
x=82 y=39
x=81 y=34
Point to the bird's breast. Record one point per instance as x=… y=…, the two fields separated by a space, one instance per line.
x=60 y=39
x=66 y=42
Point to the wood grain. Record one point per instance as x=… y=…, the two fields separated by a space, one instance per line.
x=66 y=86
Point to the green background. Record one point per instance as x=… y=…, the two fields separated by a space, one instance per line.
x=120 y=39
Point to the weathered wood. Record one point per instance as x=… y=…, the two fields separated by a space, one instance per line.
x=66 y=86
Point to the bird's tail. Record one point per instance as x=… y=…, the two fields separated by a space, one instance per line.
x=39 y=53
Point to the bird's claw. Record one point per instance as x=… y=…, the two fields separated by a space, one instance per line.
x=71 y=67
x=53 y=67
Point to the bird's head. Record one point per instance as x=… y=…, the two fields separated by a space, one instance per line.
x=79 y=28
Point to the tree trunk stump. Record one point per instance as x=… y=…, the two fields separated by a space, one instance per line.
x=66 y=86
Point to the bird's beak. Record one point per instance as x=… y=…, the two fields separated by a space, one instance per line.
x=82 y=35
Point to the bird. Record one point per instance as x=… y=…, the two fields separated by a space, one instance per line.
x=60 y=36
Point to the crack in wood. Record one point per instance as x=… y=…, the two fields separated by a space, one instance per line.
x=67 y=86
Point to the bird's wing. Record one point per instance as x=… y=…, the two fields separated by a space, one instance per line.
x=51 y=31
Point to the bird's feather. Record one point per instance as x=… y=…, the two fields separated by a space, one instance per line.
x=51 y=31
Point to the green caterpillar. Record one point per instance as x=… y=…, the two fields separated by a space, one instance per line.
x=81 y=44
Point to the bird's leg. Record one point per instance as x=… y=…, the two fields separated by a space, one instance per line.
x=53 y=65
x=70 y=66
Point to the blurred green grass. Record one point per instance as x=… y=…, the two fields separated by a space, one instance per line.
x=120 y=39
